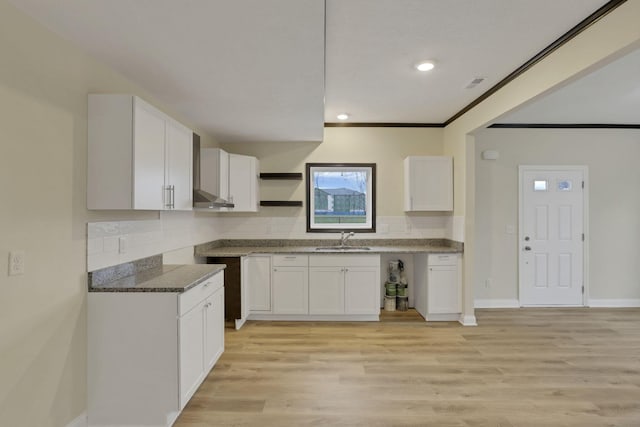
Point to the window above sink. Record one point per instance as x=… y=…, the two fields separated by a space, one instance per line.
x=341 y=197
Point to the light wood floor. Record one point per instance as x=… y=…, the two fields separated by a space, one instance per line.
x=519 y=367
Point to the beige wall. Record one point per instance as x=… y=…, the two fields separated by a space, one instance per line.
x=614 y=203
x=611 y=37
x=387 y=147
x=44 y=83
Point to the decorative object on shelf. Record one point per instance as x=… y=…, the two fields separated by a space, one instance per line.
x=281 y=175
x=297 y=203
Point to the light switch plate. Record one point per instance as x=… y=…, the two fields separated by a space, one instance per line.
x=16 y=262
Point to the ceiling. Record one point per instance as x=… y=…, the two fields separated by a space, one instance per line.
x=608 y=95
x=276 y=70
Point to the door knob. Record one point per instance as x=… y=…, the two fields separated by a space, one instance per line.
x=527 y=248
x=526 y=238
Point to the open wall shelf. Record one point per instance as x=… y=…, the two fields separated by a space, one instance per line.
x=297 y=203
x=281 y=175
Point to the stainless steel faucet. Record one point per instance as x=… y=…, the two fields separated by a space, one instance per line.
x=343 y=238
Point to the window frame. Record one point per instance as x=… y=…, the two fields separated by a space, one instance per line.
x=369 y=226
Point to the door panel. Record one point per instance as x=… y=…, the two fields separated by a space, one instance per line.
x=551 y=230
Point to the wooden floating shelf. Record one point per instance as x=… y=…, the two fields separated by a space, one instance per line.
x=280 y=203
x=281 y=175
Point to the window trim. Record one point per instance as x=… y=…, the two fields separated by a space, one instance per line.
x=371 y=199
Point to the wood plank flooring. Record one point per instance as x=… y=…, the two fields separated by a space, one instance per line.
x=519 y=367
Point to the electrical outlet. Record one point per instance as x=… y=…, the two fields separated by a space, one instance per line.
x=123 y=243
x=16 y=263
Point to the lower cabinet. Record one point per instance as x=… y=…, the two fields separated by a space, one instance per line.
x=344 y=288
x=438 y=286
x=289 y=283
x=148 y=352
x=316 y=287
x=257 y=274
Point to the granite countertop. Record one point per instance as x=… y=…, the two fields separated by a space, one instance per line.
x=376 y=246
x=162 y=278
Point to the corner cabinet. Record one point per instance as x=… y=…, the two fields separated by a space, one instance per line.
x=428 y=183
x=149 y=352
x=138 y=157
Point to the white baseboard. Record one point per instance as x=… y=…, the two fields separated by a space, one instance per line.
x=79 y=421
x=631 y=302
x=497 y=303
x=468 y=320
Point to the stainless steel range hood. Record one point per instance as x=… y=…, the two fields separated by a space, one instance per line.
x=201 y=198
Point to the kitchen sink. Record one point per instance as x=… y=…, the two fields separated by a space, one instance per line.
x=342 y=248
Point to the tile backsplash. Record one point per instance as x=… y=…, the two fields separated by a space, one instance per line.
x=117 y=242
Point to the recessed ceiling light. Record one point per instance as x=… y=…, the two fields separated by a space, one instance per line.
x=425 y=66
x=343 y=116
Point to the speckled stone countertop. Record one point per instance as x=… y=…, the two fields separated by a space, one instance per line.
x=151 y=277
x=234 y=248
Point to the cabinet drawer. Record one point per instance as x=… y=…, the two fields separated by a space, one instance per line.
x=192 y=297
x=290 y=260
x=442 y=259
x=344 y=260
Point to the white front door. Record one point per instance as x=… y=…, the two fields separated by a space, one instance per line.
x=551 y=235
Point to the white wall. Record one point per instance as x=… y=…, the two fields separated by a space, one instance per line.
x=44 y=82
x=614 y=198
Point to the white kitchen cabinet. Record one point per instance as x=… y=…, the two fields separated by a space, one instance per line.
x=362 y=290
x=138 y=157
x=290 y=284
x=243 y=183
x=191 y=353
x=438 y=286
x=326 y=290
x=428 y=183
x=257 y=274
x=148 y=352
x=232 y=177
x=214 y=329
x=344 y=284
x=214 y=173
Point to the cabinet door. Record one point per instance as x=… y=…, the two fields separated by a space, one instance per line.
x=214 y=329
x=326 y=290
x=428 y=183
x=362 y=290
x=443 y=292
x=149 y=190
x=290 y=290
x=420 y=271
x=191 y=352
x=179 y=160
x=258 y=278
x=243 y=183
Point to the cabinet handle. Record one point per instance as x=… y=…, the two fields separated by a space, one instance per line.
x=166 y=196
x=275 y=269
x=173 y=196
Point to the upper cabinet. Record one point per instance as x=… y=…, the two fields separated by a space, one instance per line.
x=428 y=183
x=243 y=183
x=138 y=157
x=232 y=177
